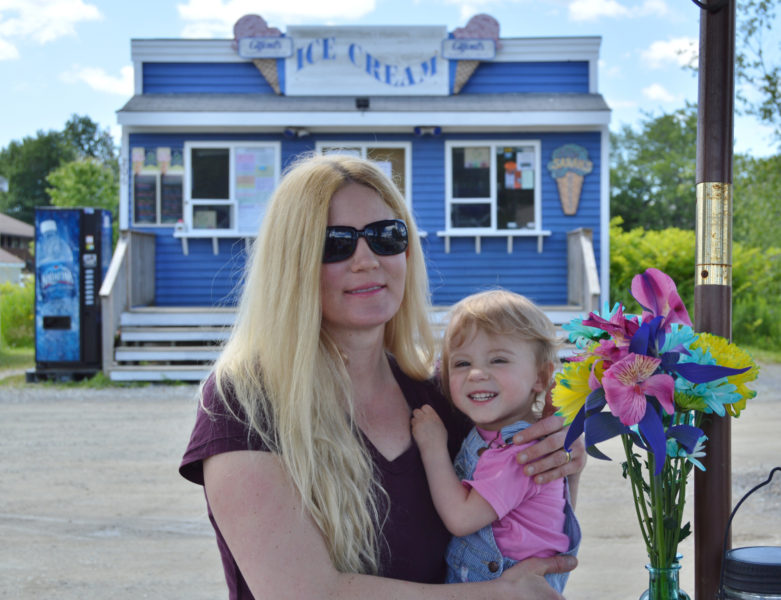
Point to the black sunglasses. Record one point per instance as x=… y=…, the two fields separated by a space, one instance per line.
x=385 y=238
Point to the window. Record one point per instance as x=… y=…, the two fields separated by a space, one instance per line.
x=157 y=185
x=492 y=186
x=228 y=185
x=394 y=158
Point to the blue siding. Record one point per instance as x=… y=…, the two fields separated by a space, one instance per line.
x=209 y=78
x=201 y=278
x=529 y=77
x=244 y=78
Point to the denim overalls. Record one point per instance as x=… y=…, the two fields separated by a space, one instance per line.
x=476 y=557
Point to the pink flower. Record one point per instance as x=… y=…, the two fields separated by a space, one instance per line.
x=655 y=291
x=628 y=382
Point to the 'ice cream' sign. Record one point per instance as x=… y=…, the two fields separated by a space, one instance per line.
x=367 y=60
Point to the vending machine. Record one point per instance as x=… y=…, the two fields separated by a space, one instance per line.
x=72 y=254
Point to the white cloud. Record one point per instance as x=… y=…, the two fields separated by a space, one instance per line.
x=215 y=18
x=680 y=51
x=592 y=10
x=7 y=50
x=43 y=20
x=100 y=81
x=658 y=93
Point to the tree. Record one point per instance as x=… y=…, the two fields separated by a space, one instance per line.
x=27 y=164
x=757 y=212
x=760 y=93
x=86 y=182
x=652 y=171
x=90 y=141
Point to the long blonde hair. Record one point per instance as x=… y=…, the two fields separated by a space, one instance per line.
x=285 y=371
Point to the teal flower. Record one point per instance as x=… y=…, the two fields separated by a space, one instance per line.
x=679 y=337
x=675 y=450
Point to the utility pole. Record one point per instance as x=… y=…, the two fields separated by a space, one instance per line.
x=713 y=273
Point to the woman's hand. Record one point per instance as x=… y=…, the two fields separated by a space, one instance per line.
x=547 y=460
x=530 y=574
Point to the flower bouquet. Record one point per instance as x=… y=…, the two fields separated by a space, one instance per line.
x=651 y=380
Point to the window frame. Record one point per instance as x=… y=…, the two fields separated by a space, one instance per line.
x=365 y=145
x=232 y=202
x=492 y=199
x=158 y=174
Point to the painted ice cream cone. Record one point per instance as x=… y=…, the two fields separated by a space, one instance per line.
x=568 y=165
x=570 y=187
x=268 y=68
x=464 y=71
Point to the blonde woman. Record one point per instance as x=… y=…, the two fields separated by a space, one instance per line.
x=302 y=441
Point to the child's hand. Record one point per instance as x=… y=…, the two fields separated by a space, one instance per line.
x=428 y=429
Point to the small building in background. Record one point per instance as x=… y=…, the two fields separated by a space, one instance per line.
x=15 y=239
x=499 y=145
x=10 y=268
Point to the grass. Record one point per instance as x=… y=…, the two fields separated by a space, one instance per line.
x=17 y=358
x=764 y=356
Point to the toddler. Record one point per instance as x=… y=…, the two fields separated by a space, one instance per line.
x=497 y=365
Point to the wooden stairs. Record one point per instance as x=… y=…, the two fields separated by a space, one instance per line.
x=181 y=343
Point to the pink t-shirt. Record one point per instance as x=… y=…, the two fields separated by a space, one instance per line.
x=531 y=516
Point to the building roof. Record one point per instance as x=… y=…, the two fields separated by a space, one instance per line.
x=7 y=258
x=248 y=110
x=11 y=226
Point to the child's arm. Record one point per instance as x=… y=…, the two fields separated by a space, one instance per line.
x=462 y=510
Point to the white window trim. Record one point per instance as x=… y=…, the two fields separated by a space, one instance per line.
x=187 y=230
x=492 y=231
x=158 y=197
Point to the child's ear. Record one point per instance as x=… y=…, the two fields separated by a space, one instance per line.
x=544 y=376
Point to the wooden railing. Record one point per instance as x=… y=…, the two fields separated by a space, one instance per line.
x=582 y=277
x=124 y=286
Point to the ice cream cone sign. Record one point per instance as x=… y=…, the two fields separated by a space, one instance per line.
x=480 y=28
x=568 y=165
x=250 y=29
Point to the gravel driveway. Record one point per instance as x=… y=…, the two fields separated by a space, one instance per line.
x=92 y=506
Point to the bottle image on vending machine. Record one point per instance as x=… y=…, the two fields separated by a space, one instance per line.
x=57 y=312
x=55 y=264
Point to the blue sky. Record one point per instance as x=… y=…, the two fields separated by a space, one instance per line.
x=59 y=57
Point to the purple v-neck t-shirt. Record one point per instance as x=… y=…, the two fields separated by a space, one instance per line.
x=416 y=538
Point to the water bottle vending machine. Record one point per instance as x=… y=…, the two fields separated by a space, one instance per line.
x=72 y=254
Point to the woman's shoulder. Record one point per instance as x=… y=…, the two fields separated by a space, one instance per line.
x=221 y=425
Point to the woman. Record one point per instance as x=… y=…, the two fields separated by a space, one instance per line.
x=303 y=443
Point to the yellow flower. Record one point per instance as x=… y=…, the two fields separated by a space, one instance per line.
x=730 y=355
x=572 y=386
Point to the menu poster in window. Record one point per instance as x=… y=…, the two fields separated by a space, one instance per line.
x=170 y=198
x=255 y=179
x=145 y=198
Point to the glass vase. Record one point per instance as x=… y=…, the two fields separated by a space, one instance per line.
x=663 y=584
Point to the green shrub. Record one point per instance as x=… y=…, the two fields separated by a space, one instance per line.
x=17 y=307
x=756 y=278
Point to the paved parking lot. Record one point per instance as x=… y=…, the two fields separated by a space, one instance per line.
x=92 y=506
